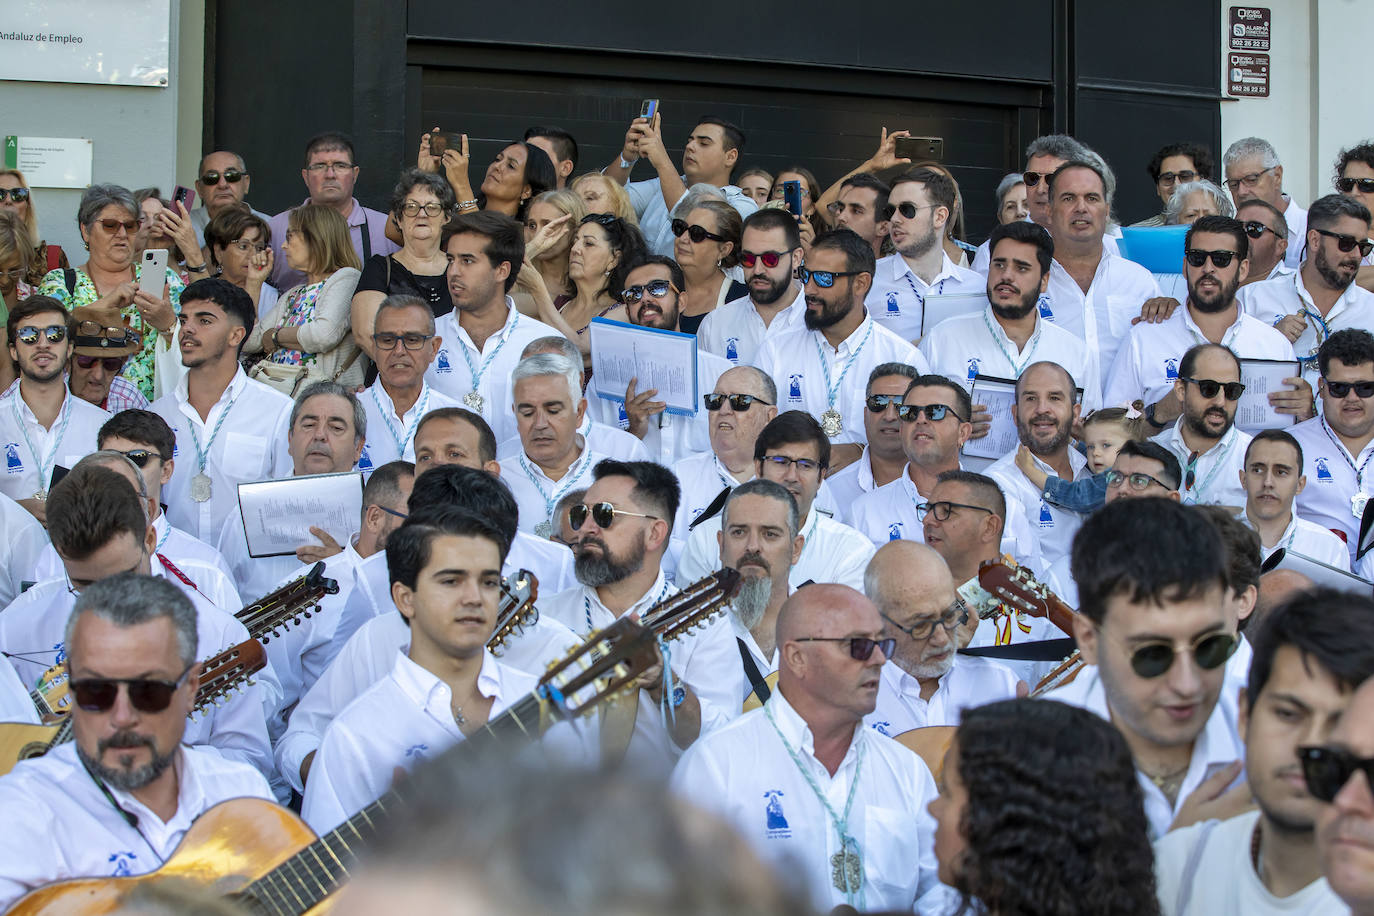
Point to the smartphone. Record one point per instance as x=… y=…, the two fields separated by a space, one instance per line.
x=917 y=148
x=153 y=278
x=438 y=143
x=648 y=108
x=791 y=196
x=184 y=196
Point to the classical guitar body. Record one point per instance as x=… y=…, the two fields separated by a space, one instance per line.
x=752 y=701
x=227 y=847
x=930 y=744
x=19 y=741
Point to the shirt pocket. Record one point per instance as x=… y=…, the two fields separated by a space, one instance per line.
x=1120 y=310
x=891 y=856
x=244 y=456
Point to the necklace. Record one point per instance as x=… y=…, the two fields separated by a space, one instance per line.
x=570 y=478
x=1357 y=502
x=473 y=399
x=201 y=489
x=421 y=407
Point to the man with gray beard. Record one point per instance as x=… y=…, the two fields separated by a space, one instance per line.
x=759 y=537
x=926 y=682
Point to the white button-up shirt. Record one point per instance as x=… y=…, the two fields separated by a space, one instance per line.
x=766 y=666
x=389 y=437
x=701 y=478
x=611 y=441
x=670 y=437
x=1102 y=316
x=965 y=346
x=971 y=681
x=458 y=360
x=259 y=576
x=1334 y=476
x=23 y=543
x=1216 y=747
x=1147 y=364
x=1053 y=527
x=831 y=552
x=746 y=773
x=251 y=445
x=536 y=495
x=59 y=825
x=897 y=298
x=848 y=484
x=16 y=705
x=1296 y=218
x=1271 y=300
x=799 y=362
x=29 y=448
x=982 y=258
x=735 y=331
x=1312 y=541
x=1217 y=471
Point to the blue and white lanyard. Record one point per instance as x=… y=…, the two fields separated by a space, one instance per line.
x=1032 y=344
x=832 y=389
x=477 y=373
x=203 y=454
x=421 y=407
x=45 y=466
x=920 y=299
x=1195 y=494
x=569 y=480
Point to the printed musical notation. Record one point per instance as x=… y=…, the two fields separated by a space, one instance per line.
x=664 y=360
x=278 y=514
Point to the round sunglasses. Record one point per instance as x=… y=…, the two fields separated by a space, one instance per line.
x=825 y=278
x=770 y=259
x=656 y=288
x=1155 y=659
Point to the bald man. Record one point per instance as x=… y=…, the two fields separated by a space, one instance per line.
x=777 y=772
x=1275 y=588
x=926 y=682
x=1345 y=827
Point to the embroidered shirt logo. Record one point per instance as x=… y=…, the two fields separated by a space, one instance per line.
x=774 y=819
x=1323 y=470
x=13 y=464
x=364 y=460
x=973 y=368
x=882 y=728
x=1045 y=311
x=1171 y=369
x=894 y=531
x=417 y=751
x=732 y=349
x=892 y=307
x=121 y=863
x=441 y=361
x=794 y=383
x=1046 y=518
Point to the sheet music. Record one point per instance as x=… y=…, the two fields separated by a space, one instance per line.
x=938 y=308
x=998 y=394
x=665 y=360
x=278 y=514
x=1262 y=376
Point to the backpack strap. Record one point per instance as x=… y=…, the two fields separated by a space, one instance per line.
x=69 y=276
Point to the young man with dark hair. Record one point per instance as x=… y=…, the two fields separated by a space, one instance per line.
x=561 y=147
x=1210 y=448
x=770 y=253
x=861 y=205
x=1272 y=478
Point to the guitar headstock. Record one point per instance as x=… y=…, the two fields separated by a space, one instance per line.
x=518 y=594
x=677 y=614
x=1015 y=587
x=273 y=614
x=605 y=665
x=220 y=675
x=53 y=695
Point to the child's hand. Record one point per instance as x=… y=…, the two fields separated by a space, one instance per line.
x=1026 y=462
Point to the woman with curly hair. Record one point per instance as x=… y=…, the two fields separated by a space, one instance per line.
x=1040 y=814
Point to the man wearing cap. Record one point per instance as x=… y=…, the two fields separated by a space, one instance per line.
x=100 y=348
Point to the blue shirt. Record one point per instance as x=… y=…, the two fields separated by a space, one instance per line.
x=656 y=222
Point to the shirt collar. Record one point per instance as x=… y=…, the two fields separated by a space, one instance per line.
x=356 y=217
x=1189 y=322
x=1176 y=438
x=646 y=600
x=236 y=385
x=389 y=406
x=428 y=692
x=853 y=340
x=1001 y=333
x=512 y=317
x=190 y=795
x=27 y=413
x=798 y=734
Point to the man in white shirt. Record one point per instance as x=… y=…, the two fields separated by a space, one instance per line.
x=405 y=342
x=883 y=461
x=234 y=429
x=1209 y=448
x=926 y=681
x=42 y=425
x=1253 y=171
x=118 y=798
x=1272 y=479
x=484 y=334
x=1044 y=156
x=1346 y=823
x=1322 y=297
x=824 y=367
x=782 y=774
x=919 y=205
x=1268 y=233
x=1309 y=657
x=1155 y=629
x=770 y=253
x=547 y=392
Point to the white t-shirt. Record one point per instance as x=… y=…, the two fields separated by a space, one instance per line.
x=971 y=681
x=31 y=452
x=735 y=331
x=898 y=297
x=1217 y=472
x=391 y=438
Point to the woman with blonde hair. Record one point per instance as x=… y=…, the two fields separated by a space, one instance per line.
x=601 y=195
x=550 y=222
x=16 y=197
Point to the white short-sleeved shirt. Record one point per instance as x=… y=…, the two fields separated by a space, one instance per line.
x=799 y=361
x=1271 y=300
x=831 y=552
x=898 y=297
x=1052 y=527
x=29 y=447
x=735 y=331
x=670 y=436
x=745 y=773
x=20 y=548
x=1217 y=470
x=971 y=681
x=458 y=360
x=964 y=346
x=251 y=444
x=391 y=438
x=59 y=825
x=1313 y=541
x=1334 y=476
x=1146 y=366
x=1102 y=316
x=535 y=494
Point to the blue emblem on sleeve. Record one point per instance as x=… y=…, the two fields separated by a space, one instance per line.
x=364 y=460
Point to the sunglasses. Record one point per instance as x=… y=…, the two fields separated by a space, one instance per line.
x=860 y=647
x=656 y=288
x=825 y=278
x=880 y=402
x=943 y=509
x=1033 y=178
x=1344 y=185
x=782 y=463
x=1327 y=770
x=738 y=402
x=112 y=364
x=1138 y=482
x=55 y=333
x=770 y=259
x=604 y=514
x=694 y=232
x=908 y=413
x=97 y=694
x=385 y=341
x=18 y=195
x=140 y=456
x=1172 y=177
x=1256 y=229
x=1208 y=388
x=906 y=208
x=1340 y=390
x=1196 y=257
x=1348 y=242
x=956 y=615
x=1210 y=652
x=233 y=176
x=113 y=225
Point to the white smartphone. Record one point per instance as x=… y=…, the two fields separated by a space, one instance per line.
x=153 y=278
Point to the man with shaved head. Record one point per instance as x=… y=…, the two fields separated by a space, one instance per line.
x=1345 y=827
x=926 y=682
x=781 y=774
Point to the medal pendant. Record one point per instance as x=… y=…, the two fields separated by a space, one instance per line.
x=200 y=487
x=846 y=870
x=832 y=424
x=544 y=529
x=40 y=494
x=1357 y=504
x=473 y=401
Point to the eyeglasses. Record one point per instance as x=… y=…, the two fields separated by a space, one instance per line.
x=1210 y=652
x=738 y=402
x=414 y=208
x=389 y=511
x=956 y=615
x=770 y=259
x=18 y=195
x=604 y=514
x=1208 y=388
x=906 y=208
x=776 y=193
x=97 y=694
x=656 y=288
x=1138 y=482
x=113 y=225
x=318 y=167
x=244 y=247
x=1233 y=184
x=112 y=364
x=860 y=647
x=1033 y=178
x=385 y=341
x=697 y=234
x=13 y=273
x=825 y=278
x=908 y=413
x=119 y=335
x=1196 y=257
x=1256 y=229
x=943 y=509
x=1172 y=177
x=55 y=333
x=1348 y=242
x=1344 y=185
x=233 y=176
x=140 y=456
x=782 y=463
x=1327 y=769
x=1340 y=390
x=880 y=402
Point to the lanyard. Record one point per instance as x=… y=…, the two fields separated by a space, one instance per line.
x=832 y=389
x=1192 y=496
x=1345 y=456
x=420 y=408
x=45 y=466
x=473 y=370
x=1033 y=343
x=203 y=454
x=569 y=480
x=921 y=300
x=587 y=604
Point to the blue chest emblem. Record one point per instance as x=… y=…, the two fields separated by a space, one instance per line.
x=894 y=531
x=364 y=460
x=892 y=307
x=794 y=383
x=1046 y=518
x=1045 y=311
x=441 y=361
x=120 y=861
x=1171 y=369
x=775 y=821
x=732 y=349
x=973 y=368
x=12 y=463
x=1323 y=470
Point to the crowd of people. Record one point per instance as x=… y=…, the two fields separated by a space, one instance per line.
x=1054 y=583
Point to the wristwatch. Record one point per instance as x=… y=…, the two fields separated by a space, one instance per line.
x=1150 y=418
x=627 y=165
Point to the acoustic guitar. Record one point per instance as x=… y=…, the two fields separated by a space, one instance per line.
x=220 y=675
x=275 y=613
x=517 y=610
x=1017 y=592
x=271 y=862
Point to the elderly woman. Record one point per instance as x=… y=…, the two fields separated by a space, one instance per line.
x=601 y=195
x=16 y=197
x=306 y=334
x=707 y=245
x=238 y=244
x=519 y=172
x=108 y=218
x=1195 y=199
x=601 y=249
x=550 y=223
x=1011 y=199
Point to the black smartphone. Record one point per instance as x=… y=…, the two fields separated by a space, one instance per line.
x=917 y=148
x=791 y=196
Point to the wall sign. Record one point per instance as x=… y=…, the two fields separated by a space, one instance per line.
x=1249 y=28
x=1247 y=75
x=116 y=42
x=50 y=162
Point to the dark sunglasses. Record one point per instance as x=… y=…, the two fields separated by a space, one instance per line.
x=825 y=278
x=694 y=232
x=880 y=402
x=656 y=288
x=770 y=259
x=1344 y=185
x=1327 y=770
x=860 y=647
x=111 y=363
x=738 y=402
x=113 y=225
x=1171 y=177
x=385 y=341
x=140 y=456
x=602 y=513
x=1196 y=257
x=1348 y=242
x=97 y=694
x=233 y=176
x=1256 y=229
x=1340 y=390
x=18 y=195
x=1155 y=659
x=1033 y=178
x=943 y=509
x=908 y=413
x=906 y=208
x=55 y=333
x=1138 y=482
x=1208 y=388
